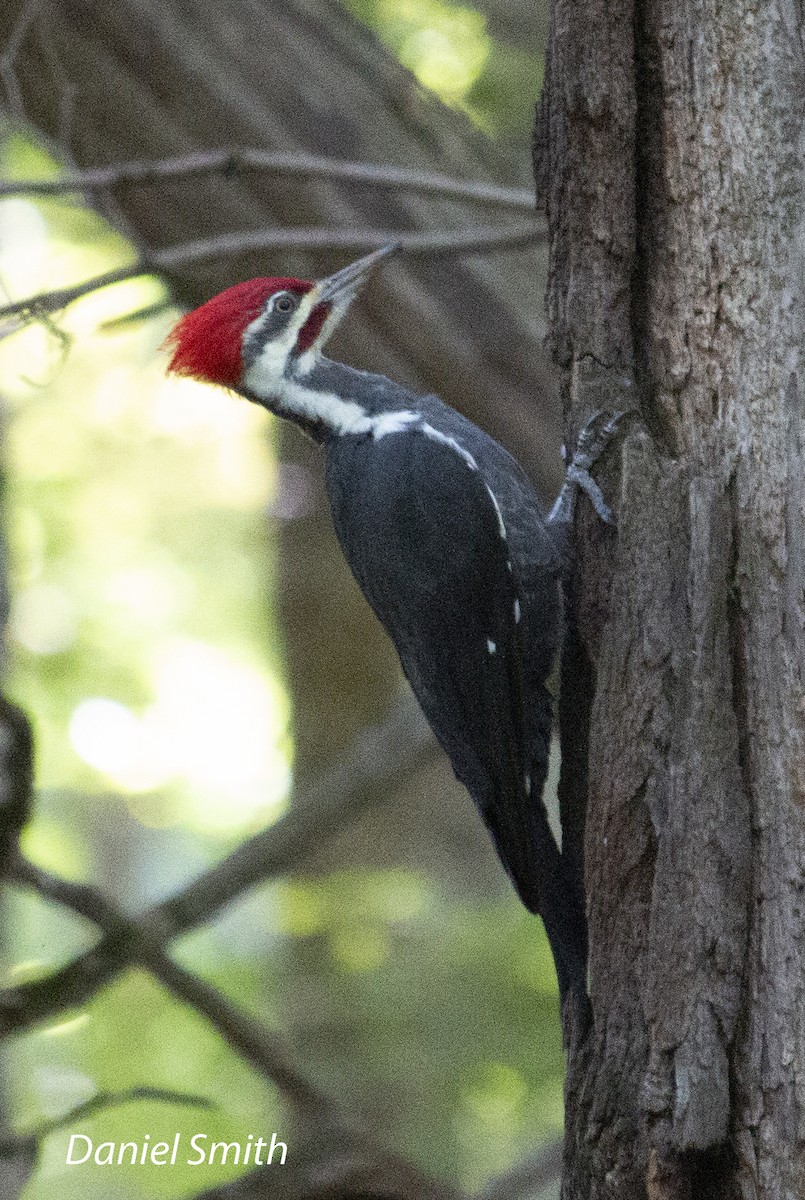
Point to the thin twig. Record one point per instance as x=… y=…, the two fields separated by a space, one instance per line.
x=228 y=162
x=378 y=760
x=341 y=1149
x=246 y=1035
x=45 y=303
x=476 y=239
x=441 y=241
x=106 y=1100
x=20 y=1152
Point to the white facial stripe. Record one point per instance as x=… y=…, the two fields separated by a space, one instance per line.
x=266 y=372
x=294 y=325
x=306 y=306
x=274 y=355
x=253 y=328
x=268 y=378
x=270 y=363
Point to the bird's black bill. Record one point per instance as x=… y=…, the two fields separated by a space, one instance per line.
x=346 y=283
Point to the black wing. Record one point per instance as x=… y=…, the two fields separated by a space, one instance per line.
x=424 y=537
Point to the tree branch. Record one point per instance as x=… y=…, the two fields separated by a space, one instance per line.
x=243 y=1033
x=380 y=757
x=231 y=162
x=349 y=1151
x=19 y=1152
x=101 y=1103
x=477 y=239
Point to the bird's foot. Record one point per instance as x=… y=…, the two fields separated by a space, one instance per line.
x=593 y=441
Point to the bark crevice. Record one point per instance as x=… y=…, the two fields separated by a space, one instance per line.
x=695 y=826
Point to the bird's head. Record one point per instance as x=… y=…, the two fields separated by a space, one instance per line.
x=256 y=334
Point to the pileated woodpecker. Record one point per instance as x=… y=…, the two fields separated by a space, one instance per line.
x=449 y=543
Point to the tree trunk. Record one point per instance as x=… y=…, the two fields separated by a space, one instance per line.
x=669 y=151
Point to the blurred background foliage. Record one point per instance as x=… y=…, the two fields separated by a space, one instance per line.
x=485 y=60
x=145 y=643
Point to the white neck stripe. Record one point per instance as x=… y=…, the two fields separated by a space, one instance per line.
x=342 y=416
x=292 y=397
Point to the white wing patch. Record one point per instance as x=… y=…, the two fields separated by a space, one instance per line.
x=392 y=422
x=501 y=523
x=437 y=436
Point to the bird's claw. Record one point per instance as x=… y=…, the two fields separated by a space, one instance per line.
x=592 y=442
x=595 y=437
x=579 y=477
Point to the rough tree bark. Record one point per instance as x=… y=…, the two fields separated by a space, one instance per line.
x=669 y=150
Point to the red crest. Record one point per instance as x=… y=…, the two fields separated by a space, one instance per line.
x=207 y=342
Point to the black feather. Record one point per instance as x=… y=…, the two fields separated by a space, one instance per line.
x=422 y=533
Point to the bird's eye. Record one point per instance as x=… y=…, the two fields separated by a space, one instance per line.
x=284 y=303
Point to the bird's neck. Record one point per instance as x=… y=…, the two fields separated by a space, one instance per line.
x=328 y=399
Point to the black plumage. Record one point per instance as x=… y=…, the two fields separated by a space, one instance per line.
x=448 y=541
x=450 y=545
